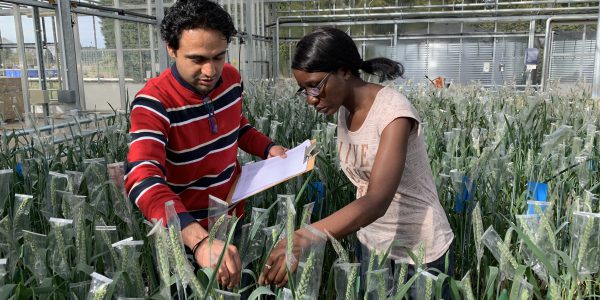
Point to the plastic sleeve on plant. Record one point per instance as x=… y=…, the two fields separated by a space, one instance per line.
x=34 y=246
x=346 y=279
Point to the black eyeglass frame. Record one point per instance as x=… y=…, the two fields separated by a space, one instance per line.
x=314 y=91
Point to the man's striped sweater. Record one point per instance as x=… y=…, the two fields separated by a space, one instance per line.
x=173 y=155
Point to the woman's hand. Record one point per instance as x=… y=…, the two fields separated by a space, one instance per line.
x=274 y=270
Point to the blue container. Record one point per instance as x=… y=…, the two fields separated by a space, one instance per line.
x=13 y=73
x=33 y=73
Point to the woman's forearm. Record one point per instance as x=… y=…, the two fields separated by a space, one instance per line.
x=352 y=217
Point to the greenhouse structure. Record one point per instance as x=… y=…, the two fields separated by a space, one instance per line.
x=503 y=95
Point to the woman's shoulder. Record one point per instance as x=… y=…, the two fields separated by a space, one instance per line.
x=390 y=99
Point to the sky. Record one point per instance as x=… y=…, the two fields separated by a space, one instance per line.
x=86 y=26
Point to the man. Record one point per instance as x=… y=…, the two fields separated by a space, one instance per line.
x=186 y=127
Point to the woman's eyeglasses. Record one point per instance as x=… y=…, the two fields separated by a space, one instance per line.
x=314 y=91
x=212 y=119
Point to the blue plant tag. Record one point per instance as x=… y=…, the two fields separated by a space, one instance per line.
x=537 y=191
x=465 y=196
x=316 y=192
x=19 y=168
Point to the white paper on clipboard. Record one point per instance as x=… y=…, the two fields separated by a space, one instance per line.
x=264 y=174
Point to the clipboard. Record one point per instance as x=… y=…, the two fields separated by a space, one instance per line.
x=265 y=174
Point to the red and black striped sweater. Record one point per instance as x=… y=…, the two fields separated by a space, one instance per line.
x=173 y=155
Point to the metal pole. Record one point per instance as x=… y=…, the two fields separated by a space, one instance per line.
x=120 y=60
x=163 y=60
x=151 y=35
x=305 y=23
x=22 y=59
x=456 y=14
x=395 y=40
x=249 y=49
x=596 y=82
x=530 y=44
x=57 y=36
x=494 y=55
x=77 y=45
x=68 y=53
x=40 y=57
x=111 y=15
x=435 y=6
x=276 y=50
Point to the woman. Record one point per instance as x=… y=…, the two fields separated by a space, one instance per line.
x=381 y=150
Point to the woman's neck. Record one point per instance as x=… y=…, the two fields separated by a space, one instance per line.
x=361 y=95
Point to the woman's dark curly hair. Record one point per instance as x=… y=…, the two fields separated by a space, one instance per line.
x=195 y=14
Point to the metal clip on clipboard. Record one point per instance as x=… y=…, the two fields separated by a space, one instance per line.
x=311 y=151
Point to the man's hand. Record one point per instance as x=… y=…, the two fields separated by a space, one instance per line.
x=277 y=150
x=207 y=256
x=230 y=271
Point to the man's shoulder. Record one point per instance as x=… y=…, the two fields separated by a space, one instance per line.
x=230 y=74
x=156 y=88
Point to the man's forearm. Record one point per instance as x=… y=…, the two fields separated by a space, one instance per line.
x=192 y=234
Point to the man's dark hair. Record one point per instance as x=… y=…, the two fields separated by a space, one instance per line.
x=195 y=14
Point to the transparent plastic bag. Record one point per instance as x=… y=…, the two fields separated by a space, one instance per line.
x=494 y=243
x=75 y=179
x=105 y=237
x=159 y=237
x=400 y=273
x=79 y=213
x=183 y=268
x=586 y=250
x=218 y=223
x=425 y=285
x=308 y=274
x=256 y=242
x=34 y=254
x=121 y=204
x=272 y=235
x=541 y=205
x=95 y=175
x=533 y=228
x=290 y=227
x=129 y=254
x=346 y=280
x=3 y=269
x=21 y=215
x=51 y=205
x=287 y=294
x=307 y=210
x=98 y=287
x=282 y=207
x=79 y=290
x=274 y=129
x=61 y=234
x=65 y=208
x=6 y=180
x=225 y=295
x=377 y=284
x=525 y=290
